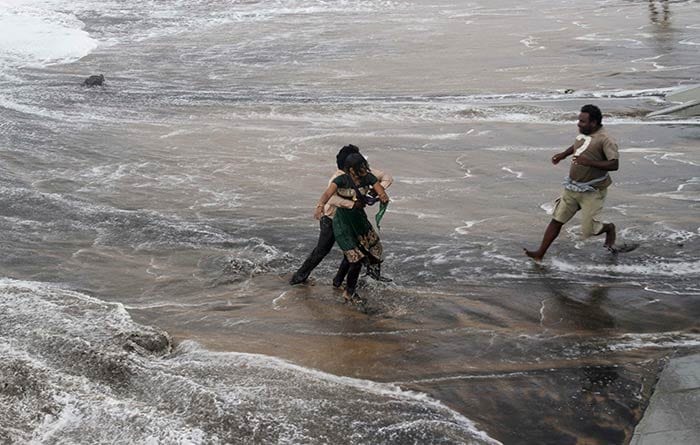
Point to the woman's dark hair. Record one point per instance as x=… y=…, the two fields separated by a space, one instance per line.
x=593 y=113
x=355 y=161
x=343 y=153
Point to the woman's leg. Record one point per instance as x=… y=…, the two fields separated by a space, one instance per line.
x=342 y=271
x=353 y=274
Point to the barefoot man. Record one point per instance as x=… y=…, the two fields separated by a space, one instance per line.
x=595 y=154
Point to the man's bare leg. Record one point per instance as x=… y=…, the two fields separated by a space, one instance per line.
x=610 y=236
x=550 y=234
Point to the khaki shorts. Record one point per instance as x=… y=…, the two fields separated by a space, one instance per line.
x=591 y=203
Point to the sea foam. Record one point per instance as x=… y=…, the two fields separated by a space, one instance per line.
x=81 y=371
x=32 y=35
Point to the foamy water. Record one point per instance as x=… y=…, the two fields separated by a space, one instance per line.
x=35 y=35
x=127 y=375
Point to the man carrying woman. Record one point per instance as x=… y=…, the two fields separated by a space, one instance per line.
x=351 y=228
x=326 y=238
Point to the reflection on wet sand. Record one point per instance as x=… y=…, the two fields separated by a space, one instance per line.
x=599 y=377
x=661 y=29
x=589 y=404
x=589 y=314
x=662 y=18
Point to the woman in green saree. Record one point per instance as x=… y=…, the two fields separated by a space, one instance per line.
x=353 y=231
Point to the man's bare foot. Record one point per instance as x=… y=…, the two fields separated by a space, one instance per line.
x=533 y=254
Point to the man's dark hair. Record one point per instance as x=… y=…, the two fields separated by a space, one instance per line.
x=355 y=161
x=344 y=153
x=593 y=113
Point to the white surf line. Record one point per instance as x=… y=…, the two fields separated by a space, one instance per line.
x=231 y=323
x=647 y=59
x=419 y=215
x=464 y=168
x=542 y=312
x=492 y=332
x=474 y=377
x=173 y=133
x=364 y=334
x=163 y=305
x=622 y=209
x=542 y=316
x=520 y=148
x=661 y=340
x=655 y=154
x=463 y=230
x=420 y=181
x=647 y=269
x=675 y=195
x=377 y=388
x=658 y=122
x=668 y=292
x=692 y=181
x=532 y=43
x=517 y=174
x=275 y=305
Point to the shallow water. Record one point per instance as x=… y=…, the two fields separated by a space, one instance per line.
x=149 y=227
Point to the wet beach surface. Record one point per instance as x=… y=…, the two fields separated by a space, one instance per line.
x=568 y=352
x=558 y=351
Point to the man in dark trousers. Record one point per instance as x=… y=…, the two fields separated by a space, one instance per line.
x=594 y=155
x=326 y=238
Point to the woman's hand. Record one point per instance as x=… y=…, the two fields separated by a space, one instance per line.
x=318 y=213
x=381 y=193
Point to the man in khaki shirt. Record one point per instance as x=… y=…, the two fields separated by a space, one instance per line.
x=595 y=154
x=326 y=239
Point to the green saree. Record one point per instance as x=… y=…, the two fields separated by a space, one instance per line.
x=352 y=230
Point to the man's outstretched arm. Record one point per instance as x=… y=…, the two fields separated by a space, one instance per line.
x=563 y=155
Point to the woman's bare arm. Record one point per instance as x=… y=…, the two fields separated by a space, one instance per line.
x=330 y=191
x=381 y=193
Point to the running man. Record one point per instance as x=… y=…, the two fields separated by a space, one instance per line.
x=594 y=155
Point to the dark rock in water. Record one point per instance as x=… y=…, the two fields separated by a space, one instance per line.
x=148 y=342
x=94 y=80
x=568 y=91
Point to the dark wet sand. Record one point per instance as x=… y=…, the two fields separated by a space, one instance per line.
x=542 y=376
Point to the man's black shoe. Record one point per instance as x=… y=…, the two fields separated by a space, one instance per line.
x=296 y=280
